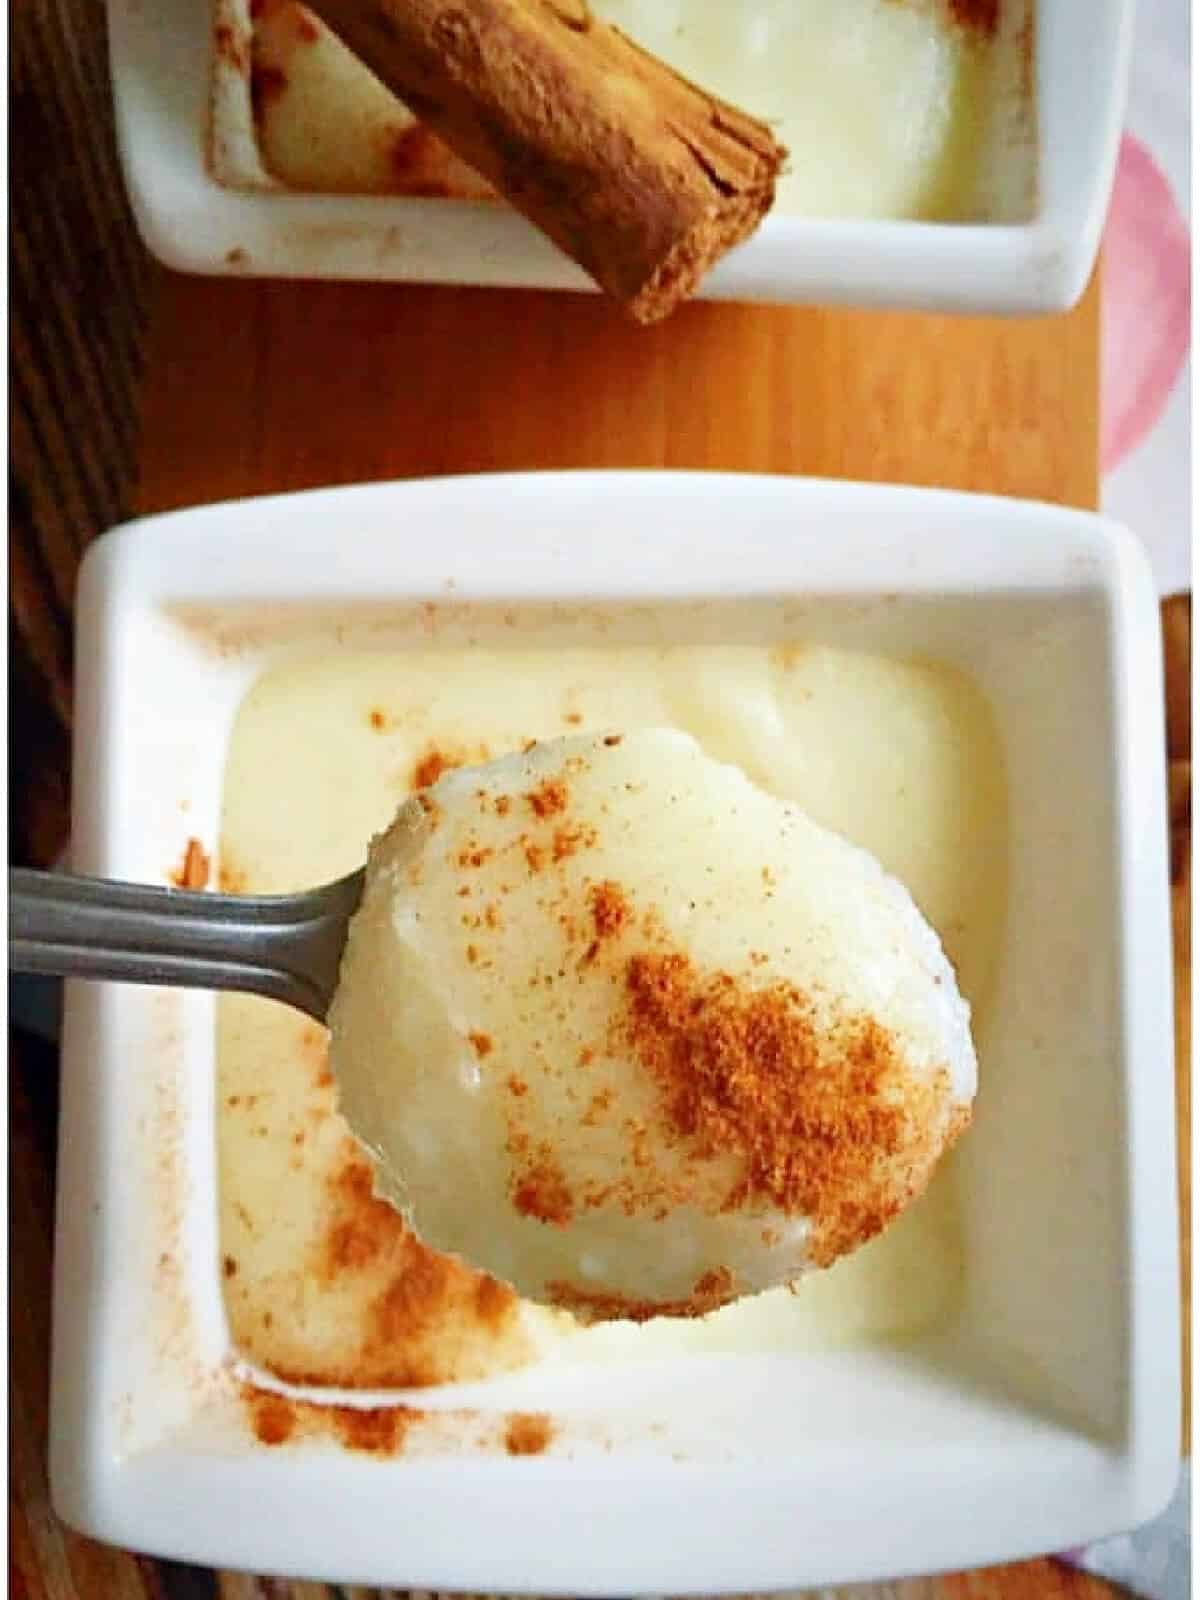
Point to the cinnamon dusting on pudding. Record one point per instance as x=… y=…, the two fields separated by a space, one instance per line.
x=430 y=768
x=540 y=1189
x=611 y=911
x=549 y=798
x=567 y=841
x=410 y=1317
x=711 y=1290
x=828 y=1125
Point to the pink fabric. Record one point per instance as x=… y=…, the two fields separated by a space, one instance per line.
x=1146 y=306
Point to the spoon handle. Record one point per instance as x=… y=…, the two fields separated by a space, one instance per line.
x=286 y=947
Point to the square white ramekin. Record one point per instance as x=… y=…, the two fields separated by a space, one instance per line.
x=1047 y=1415
x=160 y=57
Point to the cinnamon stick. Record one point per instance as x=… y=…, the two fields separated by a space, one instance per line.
x=641 y=177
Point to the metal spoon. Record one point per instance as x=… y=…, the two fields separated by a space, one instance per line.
x=286 y=947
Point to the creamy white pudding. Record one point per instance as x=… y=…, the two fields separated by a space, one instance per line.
x=635 y=1036
x=322 y=1279
x=889 y=109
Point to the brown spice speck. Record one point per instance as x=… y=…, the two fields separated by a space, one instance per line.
x=528 y=1433
x=474 y=855
x=229 y=1266
x=193 y=869
x=430 y=807
x=378 y=720
x=541 y=1190
x=361 y=1228
x=610 y=909
x=549 y=798
x=612 y=739
x=430 y=768
x=482 y=1044
x=273 y=1417
x=569 y=840
x=710 y=1291
x=379 y=1430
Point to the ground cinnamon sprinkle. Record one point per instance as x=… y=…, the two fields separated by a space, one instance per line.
x=415 y=1312
x=540 y=1189
x=548 y=798
x=710 y=1291
x=430 y=807
x=569 y=840
x=528 y=1433
x=599 y=1104
x=378 y=1430
x=828 y=1126
x=475 y=855
x=610 y=909
x=431 y=767
x=193 y=869
x=482 y=1043
x=272 y=1416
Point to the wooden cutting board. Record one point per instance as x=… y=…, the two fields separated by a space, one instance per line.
x=253 y=388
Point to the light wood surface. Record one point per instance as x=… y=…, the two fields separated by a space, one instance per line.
x=261 y=387
x=254 y=388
